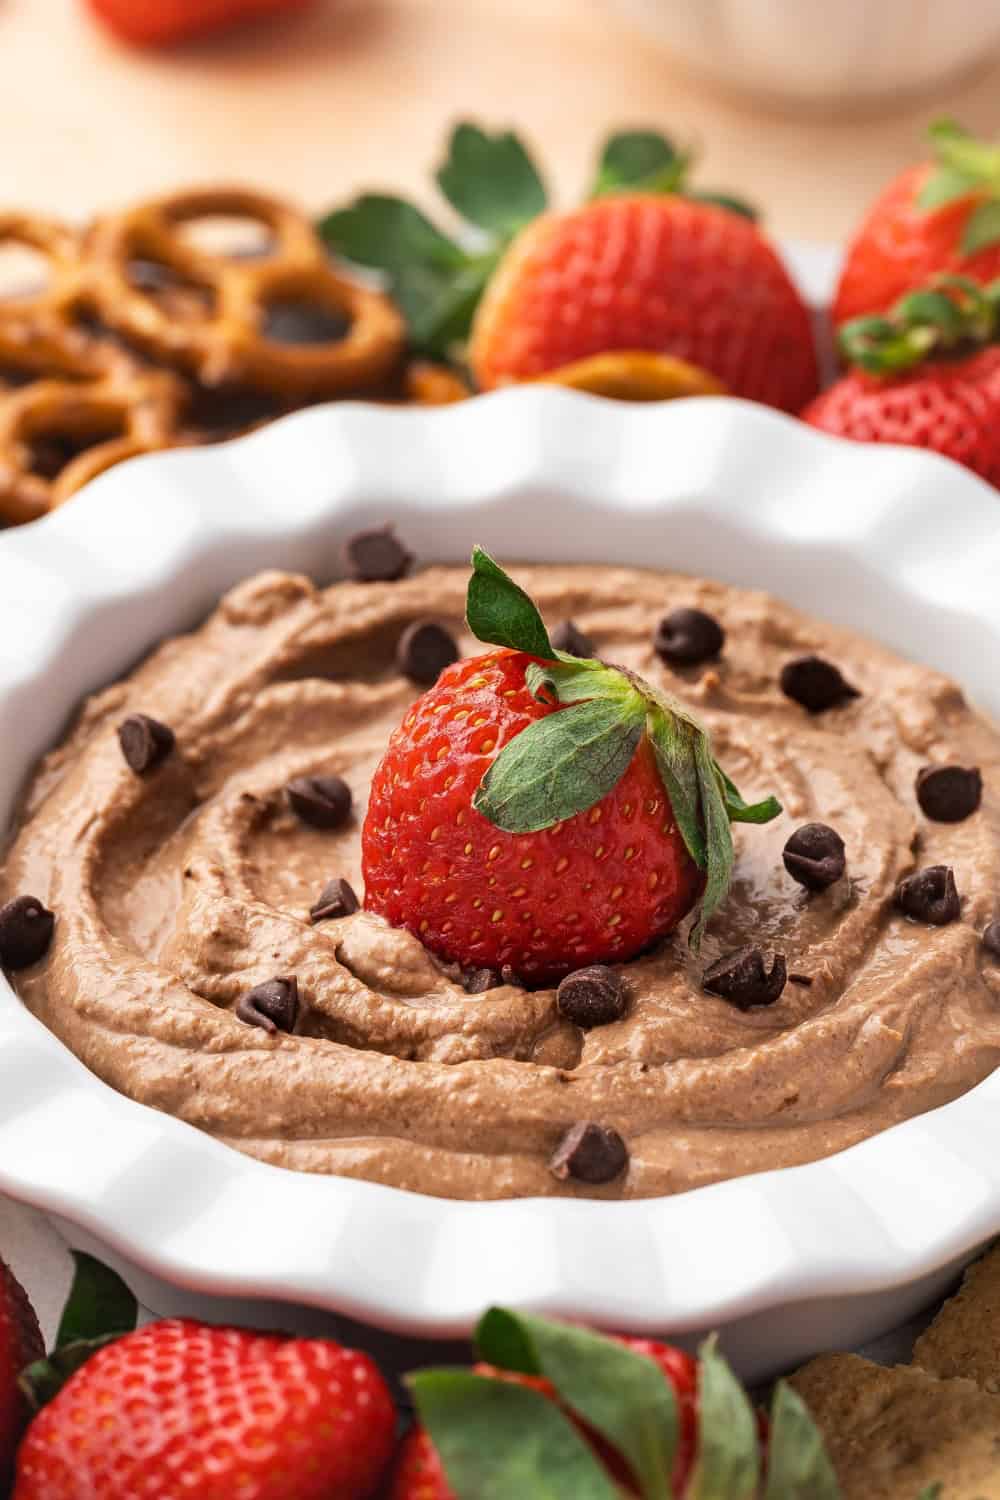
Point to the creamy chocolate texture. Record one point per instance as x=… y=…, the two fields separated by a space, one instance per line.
x=179 y=892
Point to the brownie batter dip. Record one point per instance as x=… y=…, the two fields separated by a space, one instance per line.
x=197 y=837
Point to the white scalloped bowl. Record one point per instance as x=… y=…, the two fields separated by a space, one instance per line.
x=896 y=543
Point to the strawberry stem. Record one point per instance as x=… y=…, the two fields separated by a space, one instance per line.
x=952 y=316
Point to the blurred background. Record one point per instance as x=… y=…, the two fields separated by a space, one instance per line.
x=806 y=107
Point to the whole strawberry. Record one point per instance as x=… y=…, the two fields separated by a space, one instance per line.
x=20 y=1345
x=644 y=271
x=160 y=23
x=942 y=216
x=647 y=266
x=180 y=1409
x=927 y=376
x=540 y=812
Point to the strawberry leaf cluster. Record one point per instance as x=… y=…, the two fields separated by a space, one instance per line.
x=965 y=166
x=499 y=1439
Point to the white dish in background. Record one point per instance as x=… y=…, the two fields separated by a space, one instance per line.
x=895 y=542
x=815 y=56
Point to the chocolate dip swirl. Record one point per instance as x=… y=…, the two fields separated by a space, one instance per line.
x=181 y=890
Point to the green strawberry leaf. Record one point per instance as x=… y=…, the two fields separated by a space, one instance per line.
x=99 y=1304
x=946 y=185
x=932 y=1491
x=438 y=306
x=620 y=1394
x=632 y=159
x=982 y=228
x=100 y=1309
x=500 y=612
x=491 y=180
x=726 y=200
x=719 y=852
x=746 y=812
x=956 y=148
x=561 y=765
x=673 y=740
x=727 y=1463
x=798 y=1467
x=573 y=679
x=497 y=1440
x=389 y=234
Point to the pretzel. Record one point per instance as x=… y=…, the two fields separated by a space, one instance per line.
x=46 y=331
x=225 y=343
x=634 y=375
x=111 y=420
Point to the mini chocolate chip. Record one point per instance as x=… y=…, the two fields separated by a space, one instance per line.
x=686 y=637
x=273 y=1005
x=948 y=794
x=478 y=981
x=376 y=556
x=743 y=979
x=569 y=638
x=930 y=895
x=26 y=928
x=594 y=996
x=589 y=1153
x=991 y=939
x=337 y=899
x=816 y=684
x=805 y=980
x=425 y=649
x=320 y=801
x=145 y=742
x=814 y=856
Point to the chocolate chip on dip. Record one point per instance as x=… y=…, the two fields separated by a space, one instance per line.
x=815 y=684
x=320 y=801
x=569 y=638
x=949 y=794
x=594 y=996
x=337 y=899
x=815 y=856
x=744 y=979
x=991 y=939
x=589 y=1153
x=26 y=928
x=145 y=742
x=687 y=637
x=930 y=895
x=425 y=649
x=376 y=556
x=273 y=1005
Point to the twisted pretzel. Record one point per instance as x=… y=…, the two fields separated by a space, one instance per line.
x=55 y=436
x=225 y=341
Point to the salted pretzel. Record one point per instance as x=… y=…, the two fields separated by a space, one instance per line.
x=47 y=331
x=55 y=436
x=223 y=341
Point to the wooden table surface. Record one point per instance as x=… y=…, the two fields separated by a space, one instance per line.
x=360 y=92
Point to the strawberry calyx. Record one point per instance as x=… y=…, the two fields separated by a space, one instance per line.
x=567 y=762
x=951 y=317
x=490 y=180
x=965 y=167
x=100 y=1309
x=500 y=1438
